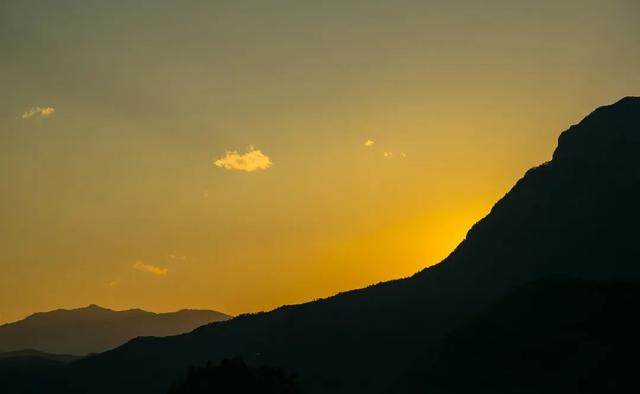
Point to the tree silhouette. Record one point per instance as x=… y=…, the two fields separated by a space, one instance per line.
x=234 y=376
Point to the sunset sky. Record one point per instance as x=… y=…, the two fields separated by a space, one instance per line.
x=241 y=155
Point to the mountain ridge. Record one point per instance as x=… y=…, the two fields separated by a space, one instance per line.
x=96 y=307
x=93 y=328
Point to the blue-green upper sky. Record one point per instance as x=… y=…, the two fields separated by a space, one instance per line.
x=169 y=154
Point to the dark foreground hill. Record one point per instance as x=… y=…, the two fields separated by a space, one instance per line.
x=29 y=360
x=95 y=329
x=576 y=215
x=555 y=335
x=24 y=368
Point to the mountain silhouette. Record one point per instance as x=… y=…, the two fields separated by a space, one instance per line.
x=95 y=329
x=576 y=215
x=554 y=335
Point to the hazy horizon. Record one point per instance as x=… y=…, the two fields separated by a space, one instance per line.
x=238 y=157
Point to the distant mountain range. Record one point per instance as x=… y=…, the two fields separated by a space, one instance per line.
x=95 y=329
x=576 y=216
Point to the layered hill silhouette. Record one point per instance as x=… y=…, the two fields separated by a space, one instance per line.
x=576 y=216
x=15 y=357
x=24 y=368
x=95 y=329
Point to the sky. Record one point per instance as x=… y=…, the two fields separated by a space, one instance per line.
x=242 y=155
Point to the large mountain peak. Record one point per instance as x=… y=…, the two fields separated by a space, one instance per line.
x=607 y=136
x=577 y=215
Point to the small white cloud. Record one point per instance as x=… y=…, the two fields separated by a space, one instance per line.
x=151 y=269
x=252 y=160
x=177 y=257
x=38 y=111
x=388 y=154
x=114 y=283
x=369 y=143
x=404 y=155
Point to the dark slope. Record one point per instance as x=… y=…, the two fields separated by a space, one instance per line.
x=95 y=329
x=575 y=215
x=556 y=335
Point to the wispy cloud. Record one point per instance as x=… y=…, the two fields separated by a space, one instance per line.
x=391 y=154
x=114 y=283
x=151 y=269
x=38 y=111
x=177 y=257
x=369 y=143
x=253 y=159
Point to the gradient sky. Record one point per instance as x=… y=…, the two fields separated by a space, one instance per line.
x=212 y=154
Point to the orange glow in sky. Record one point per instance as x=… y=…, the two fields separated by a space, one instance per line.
x=243 y=156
